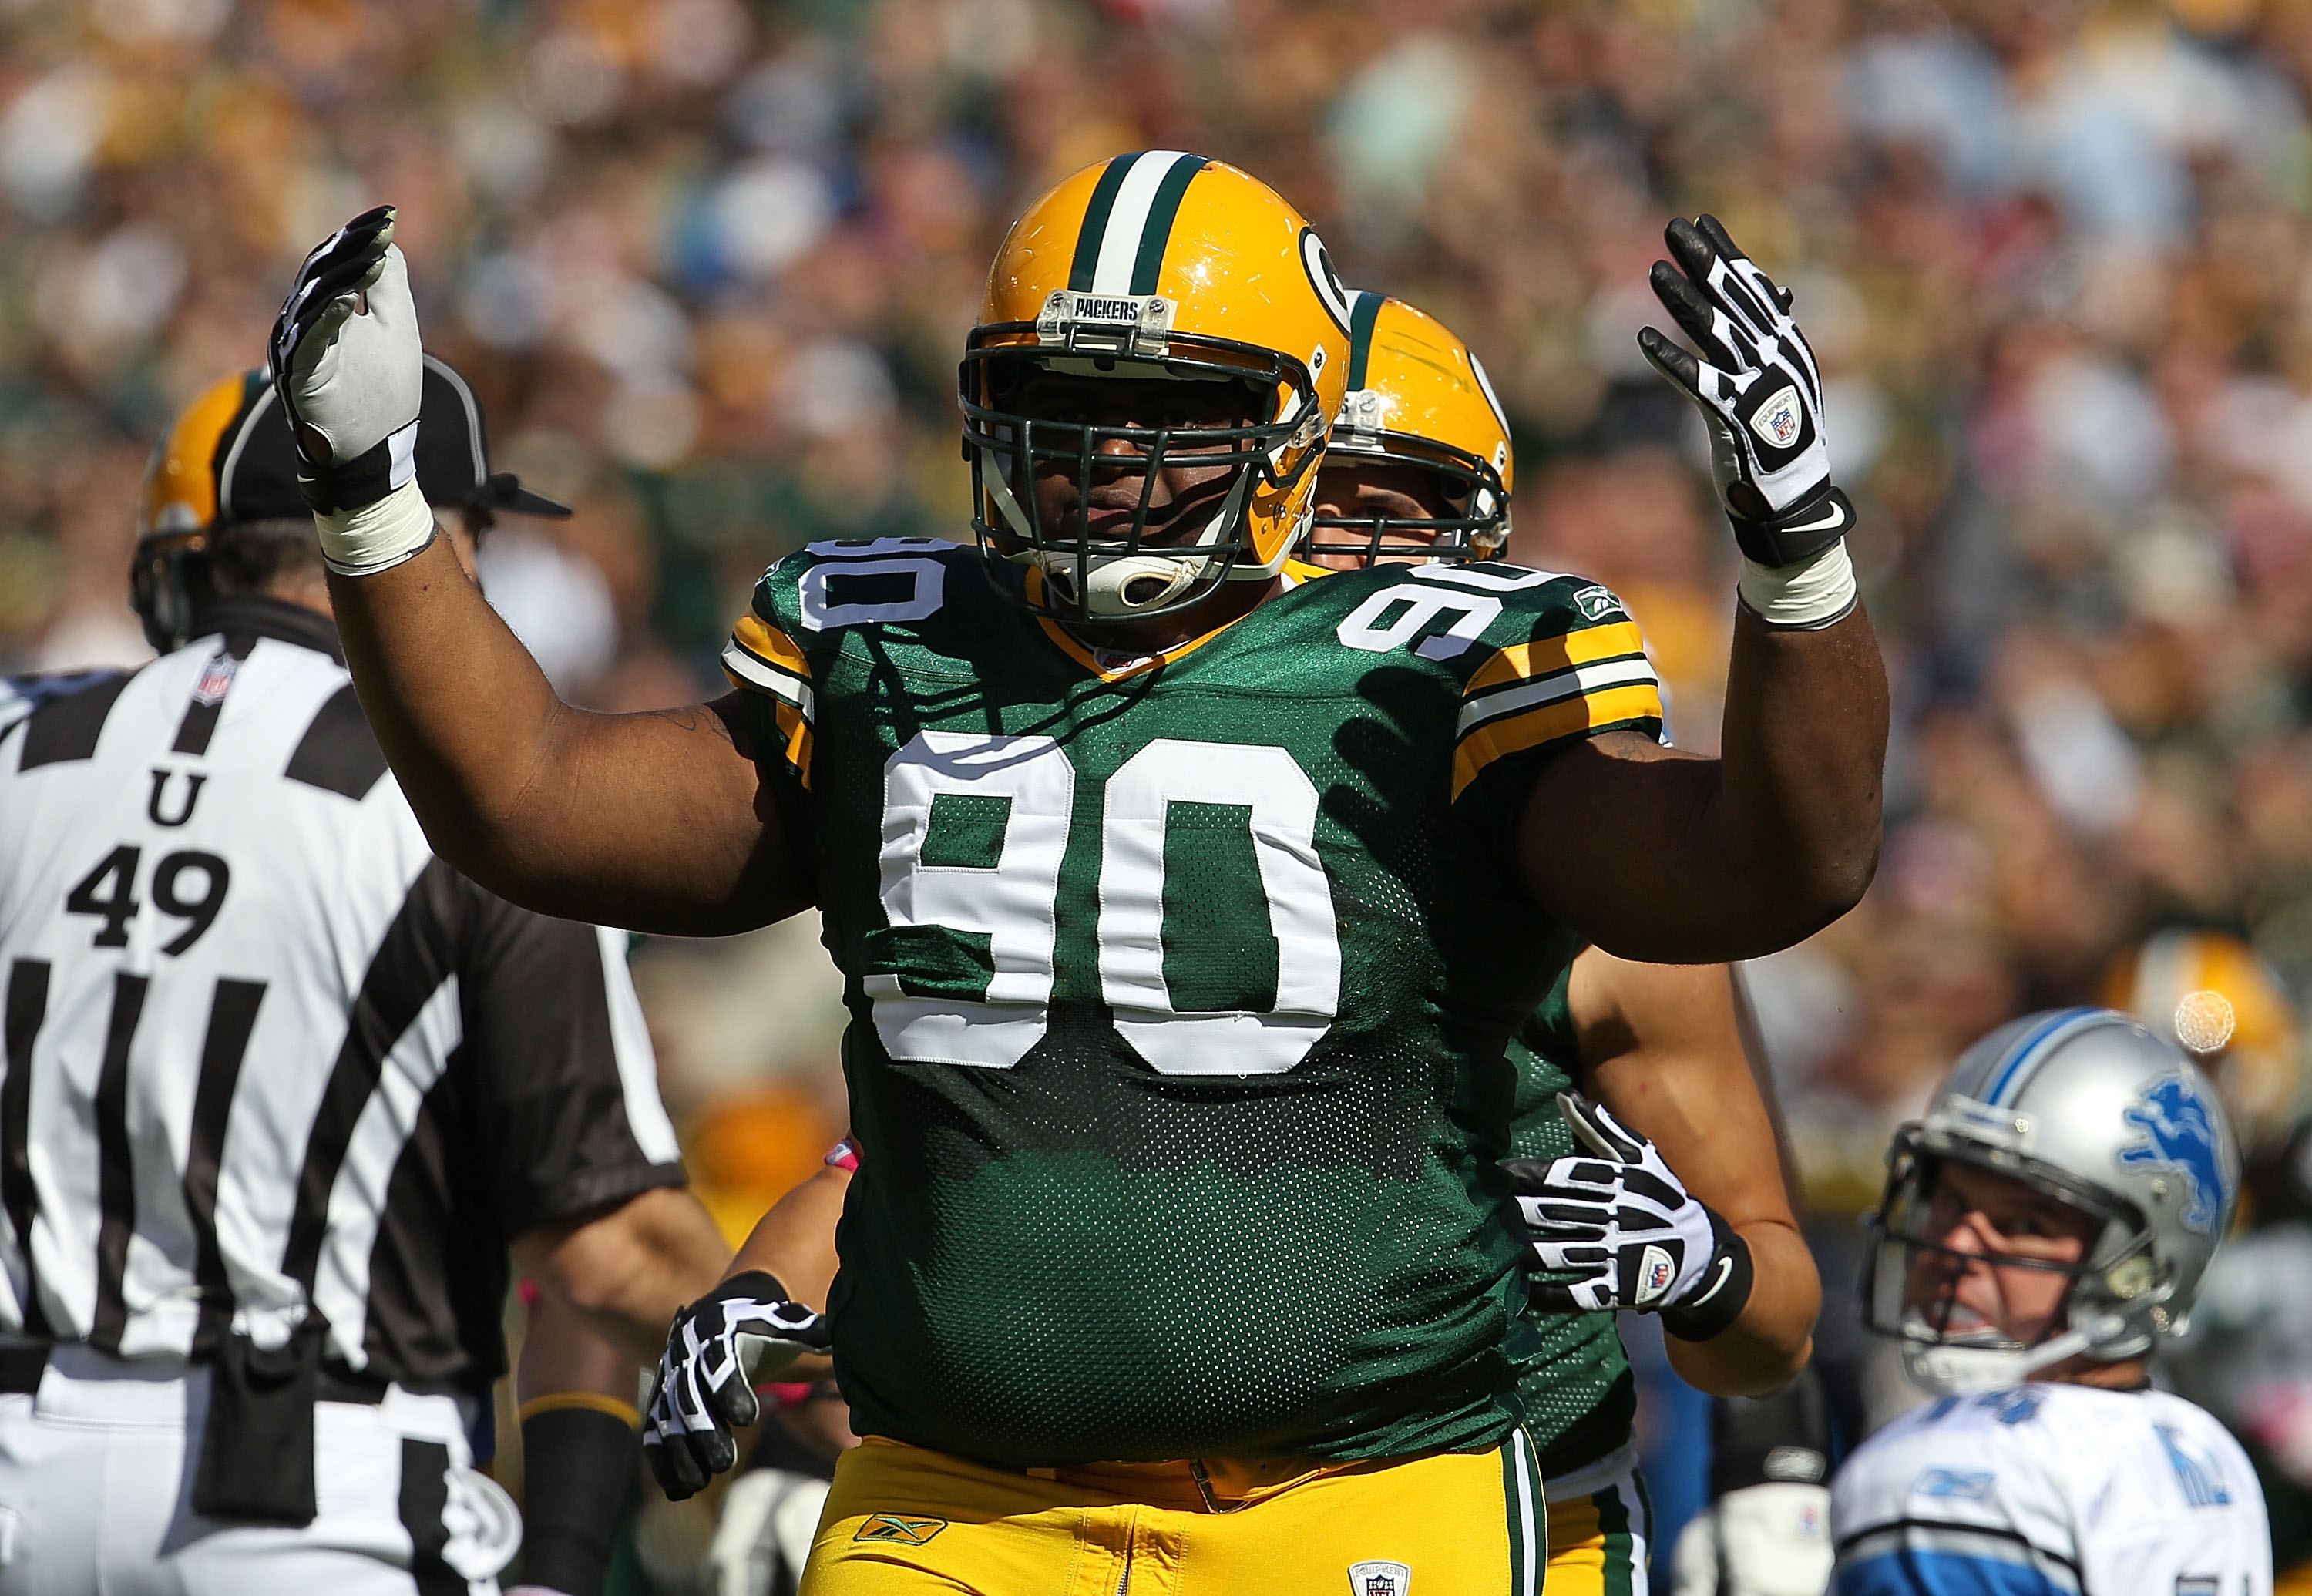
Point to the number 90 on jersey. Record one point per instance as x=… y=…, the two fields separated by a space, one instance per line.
x=975 y=831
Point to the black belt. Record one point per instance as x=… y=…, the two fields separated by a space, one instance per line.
x=21 y=1367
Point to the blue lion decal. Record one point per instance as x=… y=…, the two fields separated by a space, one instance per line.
x=2179 y=1135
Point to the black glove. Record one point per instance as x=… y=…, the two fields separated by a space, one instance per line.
x=740 y=1334
x=1759 y=391
x=1629 y=1233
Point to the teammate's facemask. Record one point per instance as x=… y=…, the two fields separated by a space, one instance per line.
x=1912 y=1289
x=1152 y=268
x=1419 y=398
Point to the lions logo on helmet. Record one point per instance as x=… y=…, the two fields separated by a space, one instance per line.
x=2180 y=1135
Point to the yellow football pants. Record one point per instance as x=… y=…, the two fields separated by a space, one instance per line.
x=1599 y=1530
x=905 y=1522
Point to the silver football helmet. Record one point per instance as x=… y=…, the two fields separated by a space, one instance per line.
x=2090 y=1108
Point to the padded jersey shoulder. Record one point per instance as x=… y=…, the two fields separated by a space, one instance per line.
x=1536 y=657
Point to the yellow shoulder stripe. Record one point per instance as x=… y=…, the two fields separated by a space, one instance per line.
x=1637 y=701
x=1522 y=661
x=768 y=644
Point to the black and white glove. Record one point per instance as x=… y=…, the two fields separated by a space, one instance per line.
x=738 y=1335
x=1759 y=390
x=1628 y=1232
x=350 y=371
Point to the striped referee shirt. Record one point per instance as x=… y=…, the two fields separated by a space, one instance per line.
x=265 y=1055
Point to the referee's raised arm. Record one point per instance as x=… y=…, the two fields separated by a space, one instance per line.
x=656 y=822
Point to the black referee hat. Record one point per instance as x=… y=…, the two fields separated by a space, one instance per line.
x=228 y=458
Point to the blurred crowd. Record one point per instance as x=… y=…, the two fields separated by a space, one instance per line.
x=710 y=263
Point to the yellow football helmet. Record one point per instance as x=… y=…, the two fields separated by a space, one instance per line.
x=2213 y=995
x=1157 y=264
x=1417 y=396
x=178 y=506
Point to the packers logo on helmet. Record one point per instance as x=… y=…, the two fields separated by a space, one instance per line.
x=1417 y=397
x=1158 y=265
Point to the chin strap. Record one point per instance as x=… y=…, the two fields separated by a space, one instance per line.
x=1965 y=1371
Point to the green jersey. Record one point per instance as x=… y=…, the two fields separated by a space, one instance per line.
x=1581 y=1399
x=1180 y=990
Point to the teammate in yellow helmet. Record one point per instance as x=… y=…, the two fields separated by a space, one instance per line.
x=1419 y=464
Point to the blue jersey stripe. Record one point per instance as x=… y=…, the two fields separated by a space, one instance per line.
x=1913 y=1572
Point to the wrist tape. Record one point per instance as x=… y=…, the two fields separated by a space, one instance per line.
x=1725 y=1288
x=1815 y=593
x=378 y=536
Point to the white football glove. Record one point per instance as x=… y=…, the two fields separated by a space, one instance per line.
x=742 y=1333
x=1759 y=390
x=1628 y=1231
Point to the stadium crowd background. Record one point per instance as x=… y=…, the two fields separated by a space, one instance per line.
x=709 y=262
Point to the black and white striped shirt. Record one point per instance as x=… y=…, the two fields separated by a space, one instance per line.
x=265 y=1055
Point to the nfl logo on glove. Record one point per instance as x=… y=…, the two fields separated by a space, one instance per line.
x=1777 y=420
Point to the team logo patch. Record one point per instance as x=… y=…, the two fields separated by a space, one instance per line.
x=1596 y=603
x=1380 y=1578
x=1779 y=420
x=901 y=1528
x=1655 y=1271
x=2180 y=1134
x=1967 y=1485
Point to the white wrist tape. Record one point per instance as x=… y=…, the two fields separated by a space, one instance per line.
x=1808 y=595
x=376 y=537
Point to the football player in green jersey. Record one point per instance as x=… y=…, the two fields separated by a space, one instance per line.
x=1170 y=897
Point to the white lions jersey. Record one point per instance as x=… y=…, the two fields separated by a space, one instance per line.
x=2051 y=1490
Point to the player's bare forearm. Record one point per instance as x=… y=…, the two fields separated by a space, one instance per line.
x=628 y=1269
x=795 y=1240
x=563 y=1355
x=654 y=822
x=1664 y=857
x=1662 y=1049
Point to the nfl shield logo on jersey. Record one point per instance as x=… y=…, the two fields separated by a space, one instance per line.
x=1379 y=1579
x=1780 y=419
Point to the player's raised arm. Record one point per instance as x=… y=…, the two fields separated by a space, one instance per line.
x=655 y=821
x=1669 y=859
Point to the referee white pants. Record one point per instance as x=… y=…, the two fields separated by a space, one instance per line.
x=96 y=1483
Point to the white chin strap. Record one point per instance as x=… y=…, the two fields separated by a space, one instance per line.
x=1965 y=1371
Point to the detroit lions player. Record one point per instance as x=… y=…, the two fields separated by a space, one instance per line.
x=2044 y=1227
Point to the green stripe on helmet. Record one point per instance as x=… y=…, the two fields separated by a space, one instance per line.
x=1363 y=314
x=1095 y=222
x=1162 y=211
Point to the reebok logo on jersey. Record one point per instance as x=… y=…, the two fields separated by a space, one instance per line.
x=1596 y=603
x=1779 y=420
x=1970 y=1485
x=1380 y=1578
x=899 y=1527
x=1655 y=1271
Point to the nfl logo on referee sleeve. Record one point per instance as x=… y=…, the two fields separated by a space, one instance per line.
x=1380 y=1578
